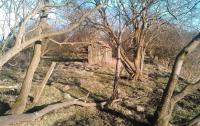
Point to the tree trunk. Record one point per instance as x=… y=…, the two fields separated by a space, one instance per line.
x=165 y=108
x=4 y=58
x=142 y=60
x=164 y=118
x=134 y=69
x=139 y=63
x=40 y=90
x=128 y=65
x=20 y=103
x=140 y=51
x=117 y=72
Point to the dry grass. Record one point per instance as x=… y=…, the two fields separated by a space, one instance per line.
x=77 y=80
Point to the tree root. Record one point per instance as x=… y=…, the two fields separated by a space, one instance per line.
x=137 y=77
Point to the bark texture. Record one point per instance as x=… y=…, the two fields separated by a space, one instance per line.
x=128 y=65
x=168 y=102
x=139 y=63
x=4 y=58
x=20 y=103
x=117 y=72
x=140 y=25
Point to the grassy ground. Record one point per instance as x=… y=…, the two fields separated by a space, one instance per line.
x=71 y=81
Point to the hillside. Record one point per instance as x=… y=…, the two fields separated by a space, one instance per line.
x=75 y=80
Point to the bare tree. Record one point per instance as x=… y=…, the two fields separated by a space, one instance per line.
x=136 y=16
x=115 y=35
x=20 y=103
x=22 y=42
x=141 y=20
x=169 y=99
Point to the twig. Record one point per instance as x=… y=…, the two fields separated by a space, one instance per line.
x=69 y=43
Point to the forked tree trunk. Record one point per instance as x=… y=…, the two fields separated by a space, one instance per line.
x=165 y=117
x=46 y=78
x=164 y=111
x=135 y=69
x=20 y=103
x=117 y=72
x=139 y=55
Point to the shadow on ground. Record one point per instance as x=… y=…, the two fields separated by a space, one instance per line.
x=106 y=116
x=3 y=108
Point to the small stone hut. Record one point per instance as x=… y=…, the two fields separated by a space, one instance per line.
x=92 y=52
x=99 y=53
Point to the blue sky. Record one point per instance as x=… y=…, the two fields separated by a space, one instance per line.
x=190 y=21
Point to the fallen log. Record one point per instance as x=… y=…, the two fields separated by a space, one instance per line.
x=8 y=87
x=12 y=119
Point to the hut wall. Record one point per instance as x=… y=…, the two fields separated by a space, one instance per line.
x=98 y=54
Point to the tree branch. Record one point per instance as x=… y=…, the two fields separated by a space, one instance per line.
x=12 y=119
x=189 y=89
x=15 y=50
